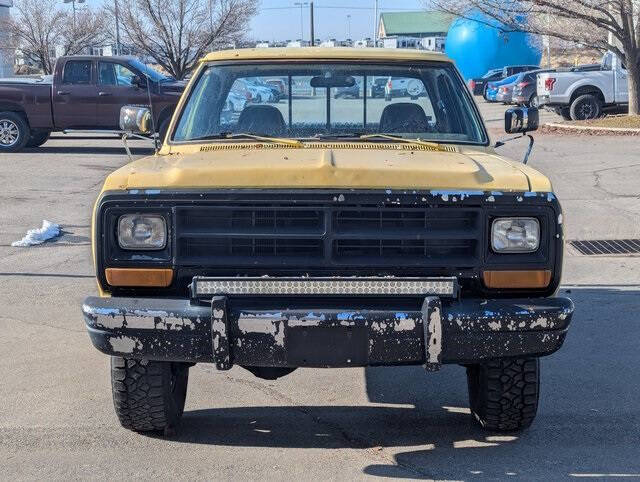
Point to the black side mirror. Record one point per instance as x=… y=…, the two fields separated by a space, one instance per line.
x=520 y=120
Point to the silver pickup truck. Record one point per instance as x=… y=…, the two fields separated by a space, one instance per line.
x=586 y=94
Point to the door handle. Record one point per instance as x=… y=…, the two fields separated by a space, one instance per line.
x=104 y=94
x=63 y=92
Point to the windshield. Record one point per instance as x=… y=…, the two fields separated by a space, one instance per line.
x=426 y=101
x=145 y=69
x=491 y=73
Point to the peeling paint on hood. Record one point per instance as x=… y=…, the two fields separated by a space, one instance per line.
x=308 y=167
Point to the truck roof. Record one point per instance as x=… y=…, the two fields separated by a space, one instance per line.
x=325 y=53
x=121 y=58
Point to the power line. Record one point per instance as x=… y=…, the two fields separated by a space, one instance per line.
x=344 y=8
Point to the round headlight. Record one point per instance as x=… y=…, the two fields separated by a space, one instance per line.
x=142 y=231
x=515 y=235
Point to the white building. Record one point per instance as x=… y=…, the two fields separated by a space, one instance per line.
x=6 y=54
x=414 y=30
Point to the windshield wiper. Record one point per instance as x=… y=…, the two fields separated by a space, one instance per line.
x=351 y=135
x=392 y=137
x=364 y=137
x=229 y=135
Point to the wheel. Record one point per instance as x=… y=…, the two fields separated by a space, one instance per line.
x=534 y=101
x=148 y=395
x=164 y=127
x=14 y=132
x=37 y=138
x=586 y=107
x=503 y=394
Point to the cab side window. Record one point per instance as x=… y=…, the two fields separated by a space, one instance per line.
x=115 y=74
x=77 y=72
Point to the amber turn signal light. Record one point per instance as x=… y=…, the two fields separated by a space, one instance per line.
x=517 y=279
x=139 y=277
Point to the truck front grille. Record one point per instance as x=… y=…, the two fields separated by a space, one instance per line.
x=295 y=235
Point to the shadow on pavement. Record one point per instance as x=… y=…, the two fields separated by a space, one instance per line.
x=588 y=423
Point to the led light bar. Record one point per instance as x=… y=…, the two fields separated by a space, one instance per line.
x=325 y=286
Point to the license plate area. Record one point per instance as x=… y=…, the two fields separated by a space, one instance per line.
x=333 y=346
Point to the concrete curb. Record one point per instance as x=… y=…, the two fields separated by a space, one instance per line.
x=628 y=130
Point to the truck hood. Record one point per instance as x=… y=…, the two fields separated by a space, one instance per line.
x=344 y=166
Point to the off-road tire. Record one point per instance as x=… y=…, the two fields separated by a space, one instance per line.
x=504 y=393
x=564 y=113
x=23 y=132
x=585 y=107
x=148 y=395
x=534 y=101
x=37 y=138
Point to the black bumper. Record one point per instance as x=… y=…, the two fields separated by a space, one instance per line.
x=465 y=331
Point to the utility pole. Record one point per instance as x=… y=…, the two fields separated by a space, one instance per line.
x=73 y=7
x=313 y=30
x=117 y=28
x=349 y=27
x=301 y=5
x=375 y=23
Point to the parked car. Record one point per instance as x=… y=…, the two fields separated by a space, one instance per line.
x=493 y=88
x=525 y=88
x=85 y=93
x=580 y=95
x=344 y=92
x=403 y=87
x=280 y=85
x=378 y=87
x=478 y=86
x=273 y=249
x=257 y=93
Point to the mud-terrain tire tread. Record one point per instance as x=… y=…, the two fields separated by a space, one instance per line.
x=142 y=395
x=590 y=98
x=504 y=393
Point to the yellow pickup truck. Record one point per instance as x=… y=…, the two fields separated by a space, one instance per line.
x=316 y=231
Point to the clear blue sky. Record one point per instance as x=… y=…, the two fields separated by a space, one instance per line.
x=275 y=21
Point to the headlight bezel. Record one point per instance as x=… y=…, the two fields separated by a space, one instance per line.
x=113 y=255
x=141 y=247
x=515 y=250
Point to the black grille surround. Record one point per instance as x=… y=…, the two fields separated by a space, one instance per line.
x=330 y=233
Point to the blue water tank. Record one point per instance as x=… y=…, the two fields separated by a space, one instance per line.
x=477 y=44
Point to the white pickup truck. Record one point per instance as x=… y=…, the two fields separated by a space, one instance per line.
x=585 y=95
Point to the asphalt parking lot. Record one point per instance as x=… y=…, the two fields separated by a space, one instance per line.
x=57 y=420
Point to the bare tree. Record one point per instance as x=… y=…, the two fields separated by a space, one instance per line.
x=602 y=24
x=176 y=33
x=40 y=28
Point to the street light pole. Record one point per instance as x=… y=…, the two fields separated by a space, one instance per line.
x=375 y=23
x=301 y=5
x=313 y=29
x=117 y=28
x=349 y=26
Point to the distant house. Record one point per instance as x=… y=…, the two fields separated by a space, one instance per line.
x=419 y=30
x=6 y=54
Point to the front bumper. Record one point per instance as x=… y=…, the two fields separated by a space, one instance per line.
x=225 y=332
